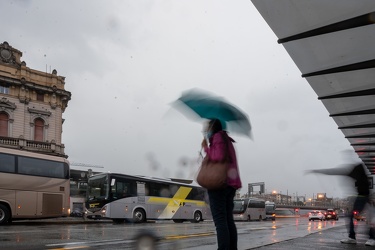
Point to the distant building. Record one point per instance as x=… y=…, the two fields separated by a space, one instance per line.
x=31 y=105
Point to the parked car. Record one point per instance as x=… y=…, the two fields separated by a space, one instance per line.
x=316 y=215
x=330 y=214
x=359 y=216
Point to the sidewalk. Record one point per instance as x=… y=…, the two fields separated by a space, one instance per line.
x=326 y=239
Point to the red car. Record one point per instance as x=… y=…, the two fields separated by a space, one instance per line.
x=358 y=216
x=330 y=214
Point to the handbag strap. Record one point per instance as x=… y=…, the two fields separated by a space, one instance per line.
x=227 y=155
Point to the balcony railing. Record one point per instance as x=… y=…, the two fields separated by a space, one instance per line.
x=49 y=148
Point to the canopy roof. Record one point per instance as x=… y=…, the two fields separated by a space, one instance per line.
x=333 y=45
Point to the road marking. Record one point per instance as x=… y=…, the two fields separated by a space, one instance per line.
x=87 y=244
x=77 y=247
x=176 y=237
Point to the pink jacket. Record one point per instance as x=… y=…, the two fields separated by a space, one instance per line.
x=217 y=152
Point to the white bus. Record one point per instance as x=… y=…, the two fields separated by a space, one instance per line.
x=138 y=199
x=32 y=185
x=249 y=209
x=270 y=210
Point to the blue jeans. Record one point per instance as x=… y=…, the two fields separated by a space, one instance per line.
x=221 y=204
x=359 y=204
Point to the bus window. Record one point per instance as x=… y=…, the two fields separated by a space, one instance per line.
x=239 y=206
x=120 y=190
x=256 y=204
x=159 y=190
x=98 y=188
x=39 y=167
x=7 y=163
x=173 y=189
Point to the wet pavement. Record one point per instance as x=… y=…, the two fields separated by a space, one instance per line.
x=325 y=239
x=328 y=238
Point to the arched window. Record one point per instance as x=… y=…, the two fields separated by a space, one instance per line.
x=4 y=121
x=38 y=129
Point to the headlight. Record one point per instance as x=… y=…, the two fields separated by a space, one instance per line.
x=103 y=211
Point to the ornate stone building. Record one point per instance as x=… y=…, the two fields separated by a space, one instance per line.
x=31 y=105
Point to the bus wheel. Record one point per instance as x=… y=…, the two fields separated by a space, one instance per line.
x=197 y=217
x=4 y=214
x=248 y=218
x=139 y=216
x=260 y=217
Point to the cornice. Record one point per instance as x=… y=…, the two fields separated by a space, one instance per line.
x=39 y=112
x=33 y=86
x=5 y=103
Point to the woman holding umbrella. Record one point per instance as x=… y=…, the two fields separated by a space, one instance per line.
x=220 y=148
x=203 y=105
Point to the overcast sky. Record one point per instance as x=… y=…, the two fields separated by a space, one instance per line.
x=126 y=61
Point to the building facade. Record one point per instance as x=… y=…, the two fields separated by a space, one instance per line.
x=31 y=105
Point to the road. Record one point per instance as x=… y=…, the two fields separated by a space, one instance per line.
x=76 y=234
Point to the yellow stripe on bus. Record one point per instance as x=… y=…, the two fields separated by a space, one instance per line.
x=174 y=203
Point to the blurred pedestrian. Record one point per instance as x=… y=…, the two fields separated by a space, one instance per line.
x=358 y=174
x=219 y=147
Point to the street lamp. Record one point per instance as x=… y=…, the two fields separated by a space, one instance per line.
x=294 y=198
x=281 y=198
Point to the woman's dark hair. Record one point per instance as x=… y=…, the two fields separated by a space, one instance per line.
x=215 y=125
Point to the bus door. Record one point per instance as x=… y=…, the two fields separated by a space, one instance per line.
x=141 y=192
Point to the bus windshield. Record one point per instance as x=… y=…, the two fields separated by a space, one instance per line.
x=270 y=208
x=98 y=188
x=239 y=206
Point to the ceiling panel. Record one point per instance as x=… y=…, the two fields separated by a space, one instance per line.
x=332 y=43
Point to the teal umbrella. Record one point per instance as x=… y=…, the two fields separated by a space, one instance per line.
x=201 y=104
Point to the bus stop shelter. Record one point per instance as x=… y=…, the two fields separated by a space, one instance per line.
x=332 y=44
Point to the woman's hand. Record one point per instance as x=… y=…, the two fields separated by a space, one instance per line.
x=204 y=143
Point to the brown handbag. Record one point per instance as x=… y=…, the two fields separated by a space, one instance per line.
x=213 y=175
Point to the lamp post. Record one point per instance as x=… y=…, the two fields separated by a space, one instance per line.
x=294 y=198
x=297 y=200
x=281 y=198
x=274 y=195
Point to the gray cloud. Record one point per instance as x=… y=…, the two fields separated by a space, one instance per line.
x=126 y=61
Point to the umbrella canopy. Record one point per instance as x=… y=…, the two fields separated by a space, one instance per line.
x=201 y=104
